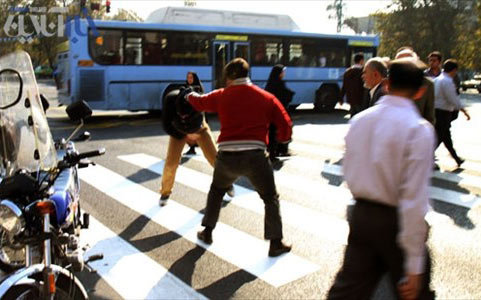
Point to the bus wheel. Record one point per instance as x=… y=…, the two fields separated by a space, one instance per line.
x=293 y=107
x=326 y=99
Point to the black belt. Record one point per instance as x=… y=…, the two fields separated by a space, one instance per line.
x=241 y=152
x=373 y=203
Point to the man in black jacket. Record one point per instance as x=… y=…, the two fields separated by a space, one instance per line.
x=352 y=85
x=374 y=75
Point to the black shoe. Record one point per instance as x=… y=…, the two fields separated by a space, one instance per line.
x=205 y=236
x=191 y=151
x=163 y=200
x=278 y=248
x=273 y=159
x=231 y=191
x=460 y=161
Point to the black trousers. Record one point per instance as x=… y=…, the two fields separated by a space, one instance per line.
x=255 y=165
x=443 y=131
x=373 y=251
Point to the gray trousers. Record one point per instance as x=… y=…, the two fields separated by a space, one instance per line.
x=255 y=165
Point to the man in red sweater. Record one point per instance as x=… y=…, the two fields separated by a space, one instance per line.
x=245 y=112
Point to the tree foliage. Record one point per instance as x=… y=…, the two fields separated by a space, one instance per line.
x=428 y=25
x=43 y=48
x=422 y=25
x=337 y=7
x=468 y=28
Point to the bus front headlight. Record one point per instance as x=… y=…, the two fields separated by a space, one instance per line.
x=11 y=217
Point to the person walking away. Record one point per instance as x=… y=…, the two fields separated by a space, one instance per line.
x=425 y=103
x=242 y=147
x=193 y=81
x=447 y=101
x=276 y=86
x=353 y=86
x=374 y=75
x=387 y=166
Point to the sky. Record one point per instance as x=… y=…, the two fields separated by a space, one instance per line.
x=309 y=15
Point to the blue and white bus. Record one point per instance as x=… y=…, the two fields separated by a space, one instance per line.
x=130 y=66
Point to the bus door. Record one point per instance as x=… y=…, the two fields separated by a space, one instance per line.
x=241 y=49
x=221 y=57
x=369 y=52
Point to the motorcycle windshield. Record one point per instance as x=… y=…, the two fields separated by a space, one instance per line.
x=25 y=138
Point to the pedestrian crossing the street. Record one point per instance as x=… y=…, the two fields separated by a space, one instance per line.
x=313 y=201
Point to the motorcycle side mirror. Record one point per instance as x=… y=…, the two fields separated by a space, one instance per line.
x=85 y=136
x=79 y=110
x=11 y=86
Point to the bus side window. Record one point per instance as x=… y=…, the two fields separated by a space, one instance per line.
x=106 y=48
x=133 y=49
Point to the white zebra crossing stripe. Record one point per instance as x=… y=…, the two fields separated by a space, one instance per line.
x=329 y=142
x=131 y=273
x=311 y=221
x=251 y=257
x=296 y=182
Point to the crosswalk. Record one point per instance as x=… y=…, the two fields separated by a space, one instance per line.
x=313 y=205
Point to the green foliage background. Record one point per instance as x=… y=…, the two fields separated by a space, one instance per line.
x=43 y=50
x=452 y=27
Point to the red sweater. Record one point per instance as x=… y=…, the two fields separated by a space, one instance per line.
x=245 y=112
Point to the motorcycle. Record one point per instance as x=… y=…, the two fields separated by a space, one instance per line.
x=40 y=216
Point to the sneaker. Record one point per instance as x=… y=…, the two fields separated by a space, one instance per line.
x=163 y=200
x=278 y=248
x=205 y=236
x=231 y=191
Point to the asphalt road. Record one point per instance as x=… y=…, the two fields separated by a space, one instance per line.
x=151 y=252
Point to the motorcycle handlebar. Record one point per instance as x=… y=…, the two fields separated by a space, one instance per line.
x=98 y=152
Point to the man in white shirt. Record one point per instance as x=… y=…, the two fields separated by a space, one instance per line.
x=387 y=166
x=446 y=103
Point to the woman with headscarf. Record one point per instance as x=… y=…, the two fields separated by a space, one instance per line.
x=276 y=86
x=194 y=82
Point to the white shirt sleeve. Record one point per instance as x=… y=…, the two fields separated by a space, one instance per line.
x=448 y=88
x=414 y=198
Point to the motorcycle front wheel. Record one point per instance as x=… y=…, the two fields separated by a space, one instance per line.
x=64 y=291
x=12 y=256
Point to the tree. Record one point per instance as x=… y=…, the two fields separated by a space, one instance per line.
x=338 y=7
x=468 y=28
x=8 y=43
x=126 y=15
x=425 y=25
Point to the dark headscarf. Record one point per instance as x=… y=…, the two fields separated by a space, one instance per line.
x=198 y=87
x=274 y=80
x=276 y=86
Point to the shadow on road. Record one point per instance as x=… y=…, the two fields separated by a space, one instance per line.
x=223 y=288
x=458 y=214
